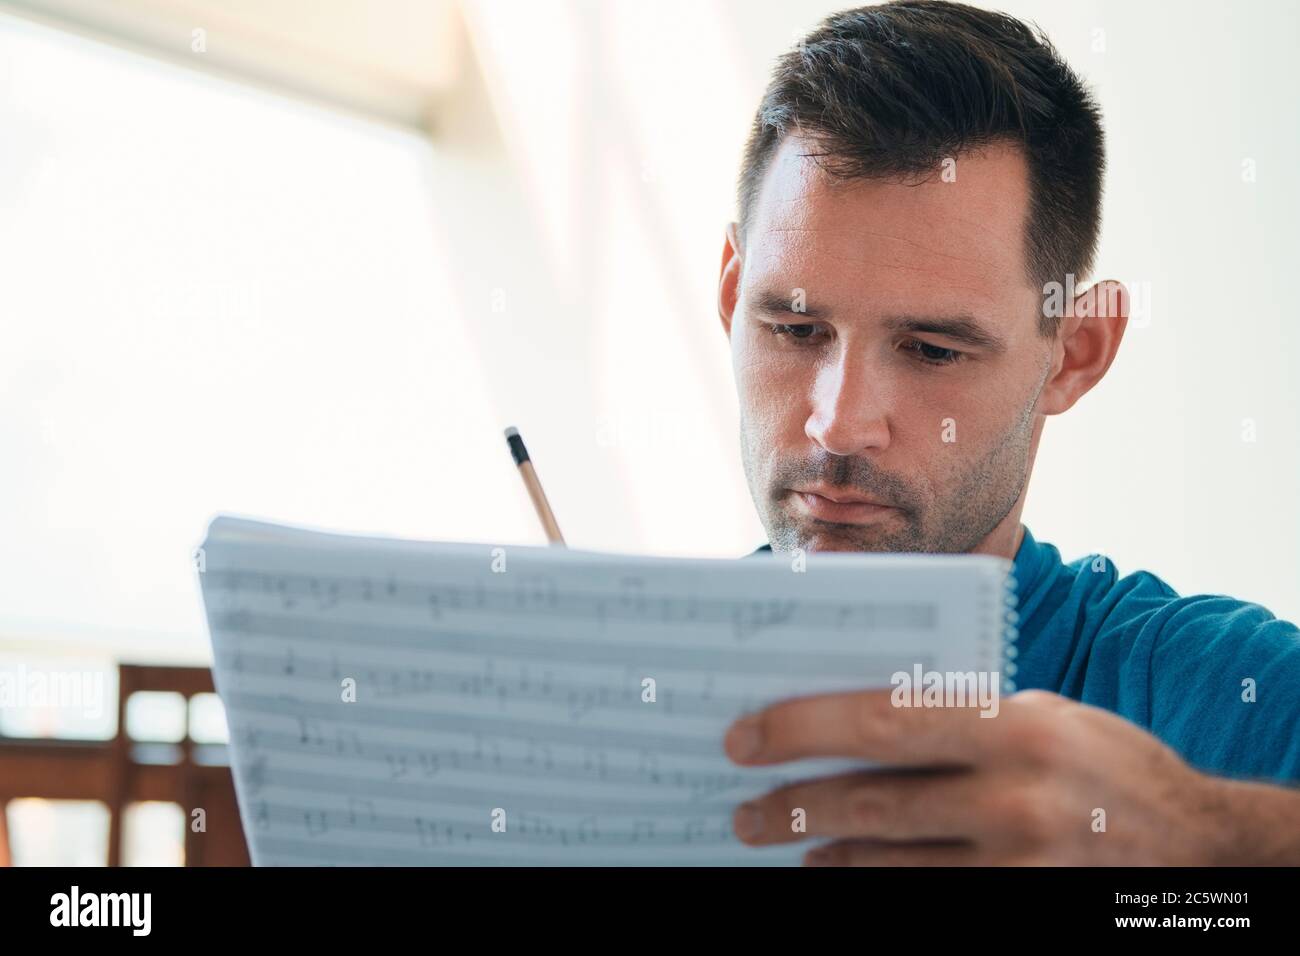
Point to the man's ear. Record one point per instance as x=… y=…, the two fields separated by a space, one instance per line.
x=1086 y=343
x=729 y=277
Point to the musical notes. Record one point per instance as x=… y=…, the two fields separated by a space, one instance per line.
x=309 y=732
x=367 y=807
x=581 y=703
x=750 y=618
x=286 y=600
x=643 y=829
x=647 y=764
x=429 y=764
x=426 y=832
x=540 y=755
x=524 y=691
x=632 y=595
x=324 y=596
x=397 y=765
x=255 y=773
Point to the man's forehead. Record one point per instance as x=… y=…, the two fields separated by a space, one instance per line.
x=962 y=226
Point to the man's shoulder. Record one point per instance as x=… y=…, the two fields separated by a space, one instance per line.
x=1143 y=598
x=1201 y=671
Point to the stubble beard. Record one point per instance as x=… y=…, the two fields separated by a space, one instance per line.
x=953 y=521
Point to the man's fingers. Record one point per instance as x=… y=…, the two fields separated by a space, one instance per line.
x=916 y=805
x=867 y=725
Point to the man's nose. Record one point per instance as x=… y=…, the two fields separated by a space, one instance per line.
x=850 y=408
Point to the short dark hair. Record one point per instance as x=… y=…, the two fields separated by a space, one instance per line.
x=893 y=90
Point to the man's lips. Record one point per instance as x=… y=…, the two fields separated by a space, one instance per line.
x=844 y=507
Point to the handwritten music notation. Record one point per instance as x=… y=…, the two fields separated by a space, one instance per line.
x=530 y=594
x=395 y=703
x=360 y=817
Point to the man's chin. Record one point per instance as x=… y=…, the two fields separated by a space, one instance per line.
x=823 y=544
x=849 y=538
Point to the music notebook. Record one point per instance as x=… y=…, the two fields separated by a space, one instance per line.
x=395 y=702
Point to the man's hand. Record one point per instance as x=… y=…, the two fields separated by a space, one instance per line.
x=1029 y=786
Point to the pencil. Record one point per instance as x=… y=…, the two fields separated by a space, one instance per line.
x=534 y=486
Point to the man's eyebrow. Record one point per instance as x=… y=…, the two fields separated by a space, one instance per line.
x=774 y=304
x=960 y=328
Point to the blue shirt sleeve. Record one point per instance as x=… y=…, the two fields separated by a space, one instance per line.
x=1225 y=682
x=1216 y=678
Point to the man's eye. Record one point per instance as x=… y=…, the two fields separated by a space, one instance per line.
x=794 y=331
x=933 y=354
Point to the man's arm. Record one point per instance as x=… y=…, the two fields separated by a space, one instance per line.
x=1262 y=823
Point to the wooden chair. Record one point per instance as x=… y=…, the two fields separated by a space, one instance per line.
x=107 y=771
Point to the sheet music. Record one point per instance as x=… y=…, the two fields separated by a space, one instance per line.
x=543 y=706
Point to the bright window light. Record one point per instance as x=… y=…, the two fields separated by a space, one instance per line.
x=215 y=299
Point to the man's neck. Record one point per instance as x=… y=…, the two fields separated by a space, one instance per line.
x=1004 y=540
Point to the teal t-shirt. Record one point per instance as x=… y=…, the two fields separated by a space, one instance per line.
x=1215 y=678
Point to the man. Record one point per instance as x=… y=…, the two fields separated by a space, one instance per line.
x=921 y=181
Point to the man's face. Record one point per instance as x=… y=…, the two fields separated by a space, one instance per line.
x=885 y=345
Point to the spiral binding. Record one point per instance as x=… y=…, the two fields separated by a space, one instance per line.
x=1010 y=631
